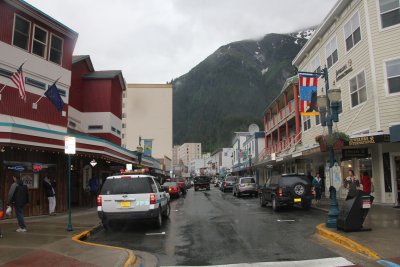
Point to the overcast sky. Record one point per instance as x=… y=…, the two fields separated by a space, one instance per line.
x=152 y=41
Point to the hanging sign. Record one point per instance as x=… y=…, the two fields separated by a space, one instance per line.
x=37 y=167
x=70 y=145
x=93 y=163
x=359 y=153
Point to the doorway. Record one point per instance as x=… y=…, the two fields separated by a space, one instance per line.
x=396 y=172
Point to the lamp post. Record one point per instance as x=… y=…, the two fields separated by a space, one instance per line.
x=329 y=113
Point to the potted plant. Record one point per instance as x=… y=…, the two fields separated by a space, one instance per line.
x=321 y=139
x=337 y=139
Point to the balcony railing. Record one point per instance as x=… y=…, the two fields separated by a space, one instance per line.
x=281 y=115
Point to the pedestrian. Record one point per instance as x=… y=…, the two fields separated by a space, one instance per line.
x=366 y=182
x=18 y=197
x=310 y=177
x=94 y=189
x=317 y=184
x=352 y=184
x=49 y=190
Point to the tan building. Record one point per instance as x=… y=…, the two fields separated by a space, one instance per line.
x=175 y=160
x=188 y=152
x=147 y=113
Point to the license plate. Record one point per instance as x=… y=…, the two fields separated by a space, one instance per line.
x=296 y=200
x=125 y=204
x=366 y=204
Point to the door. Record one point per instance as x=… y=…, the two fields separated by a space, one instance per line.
x=396 y=170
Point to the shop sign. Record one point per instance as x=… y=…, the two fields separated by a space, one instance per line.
x=343 y=71
x=358 y=153
x=30 y=180
x=17 y=168
x=70 y=145
x=367 y=140
x=37 y=167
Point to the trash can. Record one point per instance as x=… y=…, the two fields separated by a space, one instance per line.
x=354 y=211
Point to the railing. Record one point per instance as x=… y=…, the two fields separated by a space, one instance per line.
x=280 y=146
x=280 y=116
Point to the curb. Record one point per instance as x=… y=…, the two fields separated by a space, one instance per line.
x=346 y=242
x=81 y=237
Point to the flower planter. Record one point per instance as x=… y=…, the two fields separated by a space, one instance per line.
x=338 y=145
x=323 y=146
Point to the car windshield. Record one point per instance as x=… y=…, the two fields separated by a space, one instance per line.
x=119 y=186
x=201 y=179
x=247 y=180
x=170 y=184
x=230 y=179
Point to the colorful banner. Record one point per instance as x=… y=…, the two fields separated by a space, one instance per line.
x=308 y=95
x=148 y=147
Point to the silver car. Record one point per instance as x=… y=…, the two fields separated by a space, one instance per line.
x=245 y=185
x=132 y=197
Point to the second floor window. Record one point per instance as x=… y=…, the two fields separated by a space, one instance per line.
x=95 y=127
x=306 y=123
x=39 y=43
x=331 y=52
x=21 y=32
x=56 y=49
x=358 y=89
x=393 y=76
x=390 y=12
x=315 y=65
x=352 y=31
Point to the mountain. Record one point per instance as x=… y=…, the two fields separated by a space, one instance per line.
x=230 y=88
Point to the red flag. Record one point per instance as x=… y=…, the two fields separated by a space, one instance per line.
x=19 y=80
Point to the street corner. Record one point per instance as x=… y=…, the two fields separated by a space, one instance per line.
x=345 y=242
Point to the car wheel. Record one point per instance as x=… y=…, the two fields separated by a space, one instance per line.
x=167 y=210
x=306 y=205
x=159 y=219
x=262 y=201
x=275 y=206
x=299 y=189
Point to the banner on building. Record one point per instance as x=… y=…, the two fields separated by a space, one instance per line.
x=148 y=147
x=308 y=94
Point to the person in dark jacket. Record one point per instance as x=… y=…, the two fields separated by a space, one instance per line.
x=49 y=190
x=317 y=184
x=94 y=186
x=18 y=197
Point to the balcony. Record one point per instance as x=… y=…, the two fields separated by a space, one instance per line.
x=278 y=119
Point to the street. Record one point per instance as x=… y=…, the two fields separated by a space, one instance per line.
x=212 y=228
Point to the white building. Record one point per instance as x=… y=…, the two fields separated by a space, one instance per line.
x=196 y=165
x=147 y=113
x=188 y=152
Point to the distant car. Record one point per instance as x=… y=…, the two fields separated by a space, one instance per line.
x=287 y=190
x=201 y=182
x=245 y=186
x=172 y=188
x=227 y=184
x=132 y=197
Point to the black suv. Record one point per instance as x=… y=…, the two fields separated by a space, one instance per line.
x=287 y=190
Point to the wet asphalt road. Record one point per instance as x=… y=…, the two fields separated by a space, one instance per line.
x=211 y=228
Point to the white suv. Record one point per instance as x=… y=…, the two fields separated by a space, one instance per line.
x=132 y=197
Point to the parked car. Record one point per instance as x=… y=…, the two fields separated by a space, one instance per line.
x=227 y=184
x=201 y=182
x=245 y=186
x=172 y=188
x=182 y=184
x=132 y=197
x=287 y=190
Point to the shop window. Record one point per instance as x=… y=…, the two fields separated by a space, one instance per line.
x=393 y=76
x=358 y=89
x=39 y=43
x=21 y=32
x=95 y=127
x=389 y=12
x=56 y=49
x=306 y=123
x=331 y=52
x=352 y=32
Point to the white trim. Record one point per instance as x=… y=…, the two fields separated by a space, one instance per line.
x=29 y=32
x=62 y=49
x=381 y=29
x=344 y=34
x=385 y=76
x=358 y=89
x=45 y=44
x=360 y=132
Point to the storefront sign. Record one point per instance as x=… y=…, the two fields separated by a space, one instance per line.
x=367 y=140
x=37 y=167
x=17 y=168
x=70 y=145
x=343 y=71
x=31 y=180
x=358 y=153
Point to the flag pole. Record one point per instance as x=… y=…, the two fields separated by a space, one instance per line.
x=3 y=88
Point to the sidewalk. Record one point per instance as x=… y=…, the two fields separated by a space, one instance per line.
x=47 y=243
x=383 y=239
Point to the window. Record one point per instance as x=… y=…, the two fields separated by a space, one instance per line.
x=72 y=124
x=123 y=135
x=123 y=115
x=39 y=43
x=390 y=12
x=21 y=32
x=306 y=123
x=118 y=132
x=56 y=49
x=317 y=120
x=95 y=127
x=123 y=125
x=315 y=65
x=393 y=76
x=331 y=52
x=358 y=89
x=123 y=95
x=352 y=32
x=113 y=129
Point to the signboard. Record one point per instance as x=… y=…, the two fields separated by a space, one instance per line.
x=358 y=153
x=31 y=180
x=367 y=140
x=93 y=163
x=148 y=147
x=129 y=167
x=70 y=145
x=17 y=168
x=343 y=71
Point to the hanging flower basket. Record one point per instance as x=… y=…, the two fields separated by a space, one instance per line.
x=321 y=139
x=338 y=145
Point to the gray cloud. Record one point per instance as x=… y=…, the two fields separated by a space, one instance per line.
x=152 y=41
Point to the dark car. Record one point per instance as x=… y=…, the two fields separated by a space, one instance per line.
x=287 y=190
x=201 y=182
x=227 y=184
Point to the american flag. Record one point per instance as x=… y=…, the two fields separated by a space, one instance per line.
x=308 y=92
x=19 y=80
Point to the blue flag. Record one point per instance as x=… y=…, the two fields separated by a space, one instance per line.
x=54 y=96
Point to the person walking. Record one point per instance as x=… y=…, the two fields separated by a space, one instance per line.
x=352 y=184
x=18 y=197
x=317 y=184
x=94 y=189
x=366 y=183
x=49 y=190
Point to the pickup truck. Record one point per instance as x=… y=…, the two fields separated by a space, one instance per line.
x=201 y=182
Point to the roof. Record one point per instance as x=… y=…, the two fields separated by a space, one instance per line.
x=289 y=82
x=79 y=58
x=106 y=74
x=329 y=20
x=142 y=85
